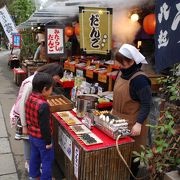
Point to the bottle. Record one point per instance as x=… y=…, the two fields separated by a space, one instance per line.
x=73 y=94
x=96 y=86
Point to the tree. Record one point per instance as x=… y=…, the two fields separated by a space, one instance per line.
x=21 y=10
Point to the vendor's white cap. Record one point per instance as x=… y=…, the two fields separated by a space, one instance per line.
x=133 y=53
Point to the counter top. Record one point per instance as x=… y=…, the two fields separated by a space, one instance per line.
x=107 y=141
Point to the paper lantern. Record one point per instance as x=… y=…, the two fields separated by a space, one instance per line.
x=69 y=31
x=149 y=24
x=76 y=29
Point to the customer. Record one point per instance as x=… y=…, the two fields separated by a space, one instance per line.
x=39 y=124
x=17 y=114
x=132 y=94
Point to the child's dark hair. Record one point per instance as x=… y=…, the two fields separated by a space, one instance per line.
x=40 y=81
x=52 y=69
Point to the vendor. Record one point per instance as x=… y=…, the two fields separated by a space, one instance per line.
x=40 y=54
x=132 y=93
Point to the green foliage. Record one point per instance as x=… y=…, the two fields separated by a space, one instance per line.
x=163 y=156
x=21 y=10
x=29 y=45
x=171 y=85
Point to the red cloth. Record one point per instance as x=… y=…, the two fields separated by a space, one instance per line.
x=107 y=141
x=18 y=71
x=104 y=105
x=67 y=84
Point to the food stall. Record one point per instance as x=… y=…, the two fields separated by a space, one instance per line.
x=91 y=154
x=88 y=159
x=85 y=147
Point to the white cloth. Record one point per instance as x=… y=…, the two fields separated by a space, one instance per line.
x=133 y=53
x=19 y=106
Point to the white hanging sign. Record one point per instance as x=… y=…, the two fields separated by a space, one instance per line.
x=65 y=143
x=76 y=161
x=7 y=23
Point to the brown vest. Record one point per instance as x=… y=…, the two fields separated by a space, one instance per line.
x=43 y=53
x=125 y=107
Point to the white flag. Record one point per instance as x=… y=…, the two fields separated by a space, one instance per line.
x=7 y=23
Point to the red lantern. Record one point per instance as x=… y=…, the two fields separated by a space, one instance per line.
x=76 y=29
x=149 y=24
x=69 y=31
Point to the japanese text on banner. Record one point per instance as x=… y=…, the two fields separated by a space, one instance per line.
x=55 y=44
x=7 y=23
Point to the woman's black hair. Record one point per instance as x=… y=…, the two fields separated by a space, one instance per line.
x=53 y=69
x=40 y=81
x=121 y=58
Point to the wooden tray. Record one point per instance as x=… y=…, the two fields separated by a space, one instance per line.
x=98 y=141
x=82 y=129
x=64 y=105
x=68 y=117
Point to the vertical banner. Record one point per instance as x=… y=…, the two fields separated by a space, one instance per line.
x=96 y=30
x=76 y=161
x=7 y=23
x=167 y=37
x=55 y=41
x=16 y=40
x=66 y=144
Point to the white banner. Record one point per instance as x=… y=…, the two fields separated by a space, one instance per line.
x=55 y=41
x=7 y=23
x=65 y=143
x=76 y=161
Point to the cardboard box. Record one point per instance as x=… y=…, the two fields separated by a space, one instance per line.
x=64 y=104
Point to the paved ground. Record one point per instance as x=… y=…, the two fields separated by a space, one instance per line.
x=11 y=151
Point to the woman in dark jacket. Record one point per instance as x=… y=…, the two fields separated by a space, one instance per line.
x=132 y=93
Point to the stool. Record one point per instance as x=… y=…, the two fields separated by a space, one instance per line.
x=19 y=76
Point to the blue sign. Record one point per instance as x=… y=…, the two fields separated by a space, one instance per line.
x=167 y=36
x=17 y=40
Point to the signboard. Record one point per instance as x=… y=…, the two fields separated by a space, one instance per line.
x=89 y=73
x=167 y=37
x=7 y=23
x=102 y=77
x=65 y=143
x=55 y=41
x=96 y=30
x=16 y=40
x=76 y=161
x=72 y=67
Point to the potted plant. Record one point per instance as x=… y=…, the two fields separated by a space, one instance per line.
x=164 y=155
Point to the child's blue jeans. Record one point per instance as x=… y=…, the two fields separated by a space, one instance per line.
x=40 y=155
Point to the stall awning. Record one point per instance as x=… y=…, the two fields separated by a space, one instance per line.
x=58 y=11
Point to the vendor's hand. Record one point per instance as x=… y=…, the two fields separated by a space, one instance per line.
x=136 y=129
x=24 y=130
x=49 y=146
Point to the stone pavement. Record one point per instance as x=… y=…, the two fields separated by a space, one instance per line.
x=7 y=163
x=11 y=151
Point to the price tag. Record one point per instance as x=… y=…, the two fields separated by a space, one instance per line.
x=97 y=66
x=88 y=63
x=109 y=68
x=66 y=66
x=102 y=77
x=72 y=68
x=89 y=74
